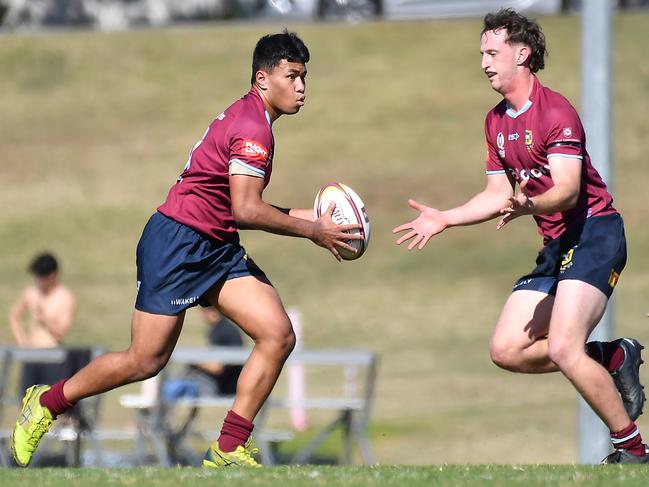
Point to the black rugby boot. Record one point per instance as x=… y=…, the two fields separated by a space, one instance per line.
x=623 y=456
x=627 y=377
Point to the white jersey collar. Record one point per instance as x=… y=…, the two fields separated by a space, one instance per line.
x=514 y=114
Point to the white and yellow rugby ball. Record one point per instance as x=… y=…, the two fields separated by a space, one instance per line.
x=349 y=210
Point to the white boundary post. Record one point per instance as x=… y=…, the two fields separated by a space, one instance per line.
x=594 y=442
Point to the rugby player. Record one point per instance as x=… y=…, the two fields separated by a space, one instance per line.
x=535 y=139
x=189 y=254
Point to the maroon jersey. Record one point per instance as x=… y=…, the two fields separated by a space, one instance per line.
x=520 y=144
x=238 y=141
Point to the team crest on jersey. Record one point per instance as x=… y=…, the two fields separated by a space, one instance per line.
x=529 y=141
x=567 y=132
x=254 y=150
x=500 y=141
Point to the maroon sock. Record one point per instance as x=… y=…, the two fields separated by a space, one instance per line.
x=629 y=439
x=55 y=401
x=609 y=354
x=235 y=432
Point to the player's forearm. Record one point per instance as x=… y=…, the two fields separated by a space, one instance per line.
x=302 y=213
x=560 y=197
x=262 y=216
x=482 y=207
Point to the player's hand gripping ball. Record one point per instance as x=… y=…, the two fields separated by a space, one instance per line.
x=349 y=210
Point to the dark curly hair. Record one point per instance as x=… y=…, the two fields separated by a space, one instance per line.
x=43 y=265
x=520 y=30
x=272 y=48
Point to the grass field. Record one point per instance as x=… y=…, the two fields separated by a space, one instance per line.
x=96 y=127
x=312 y=476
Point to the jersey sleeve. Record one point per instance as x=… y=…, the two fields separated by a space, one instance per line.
x=565 y=134
x=492 y=161
x=250 y=148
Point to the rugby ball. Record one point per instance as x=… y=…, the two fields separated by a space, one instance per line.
x=349 y=210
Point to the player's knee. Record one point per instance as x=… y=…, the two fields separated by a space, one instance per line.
x=562 y=353
x=285 y=342
x=504 y=355
x=281 y=340
x=146 y=366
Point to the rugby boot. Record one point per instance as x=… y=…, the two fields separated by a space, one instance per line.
x=623 y=456
x=627 y=377
x=240 y=457
x=34 y=421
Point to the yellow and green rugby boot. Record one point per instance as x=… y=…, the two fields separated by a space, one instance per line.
x=240 y=457
x=34 y=421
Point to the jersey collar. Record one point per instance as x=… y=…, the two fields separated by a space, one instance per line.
x=514 y=114
x=256 y=94
x=528 y=104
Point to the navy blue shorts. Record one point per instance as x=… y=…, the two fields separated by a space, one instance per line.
x=177 y=265
x=593 y=252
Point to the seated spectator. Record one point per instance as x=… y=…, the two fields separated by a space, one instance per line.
x=212 y=378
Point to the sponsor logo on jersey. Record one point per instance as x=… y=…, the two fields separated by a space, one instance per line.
x=536 y=173
x=254 y=150
x=615 y=276
x=221 y=117
x=567 y=132
x=513 y=136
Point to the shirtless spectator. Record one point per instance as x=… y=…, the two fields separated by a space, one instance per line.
x=43 y=315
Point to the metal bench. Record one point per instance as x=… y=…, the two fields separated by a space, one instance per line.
x=352 y=412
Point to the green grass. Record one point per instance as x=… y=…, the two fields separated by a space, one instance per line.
x=96 y=127
x=443 y=475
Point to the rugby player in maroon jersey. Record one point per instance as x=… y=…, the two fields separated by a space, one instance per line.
x=189 y=254
x=535 y=139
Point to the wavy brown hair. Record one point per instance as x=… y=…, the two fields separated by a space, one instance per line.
x=520 y=30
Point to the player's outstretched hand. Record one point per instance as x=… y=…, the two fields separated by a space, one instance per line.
x=327 y=234
x=519 y=205
x=429 y=223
